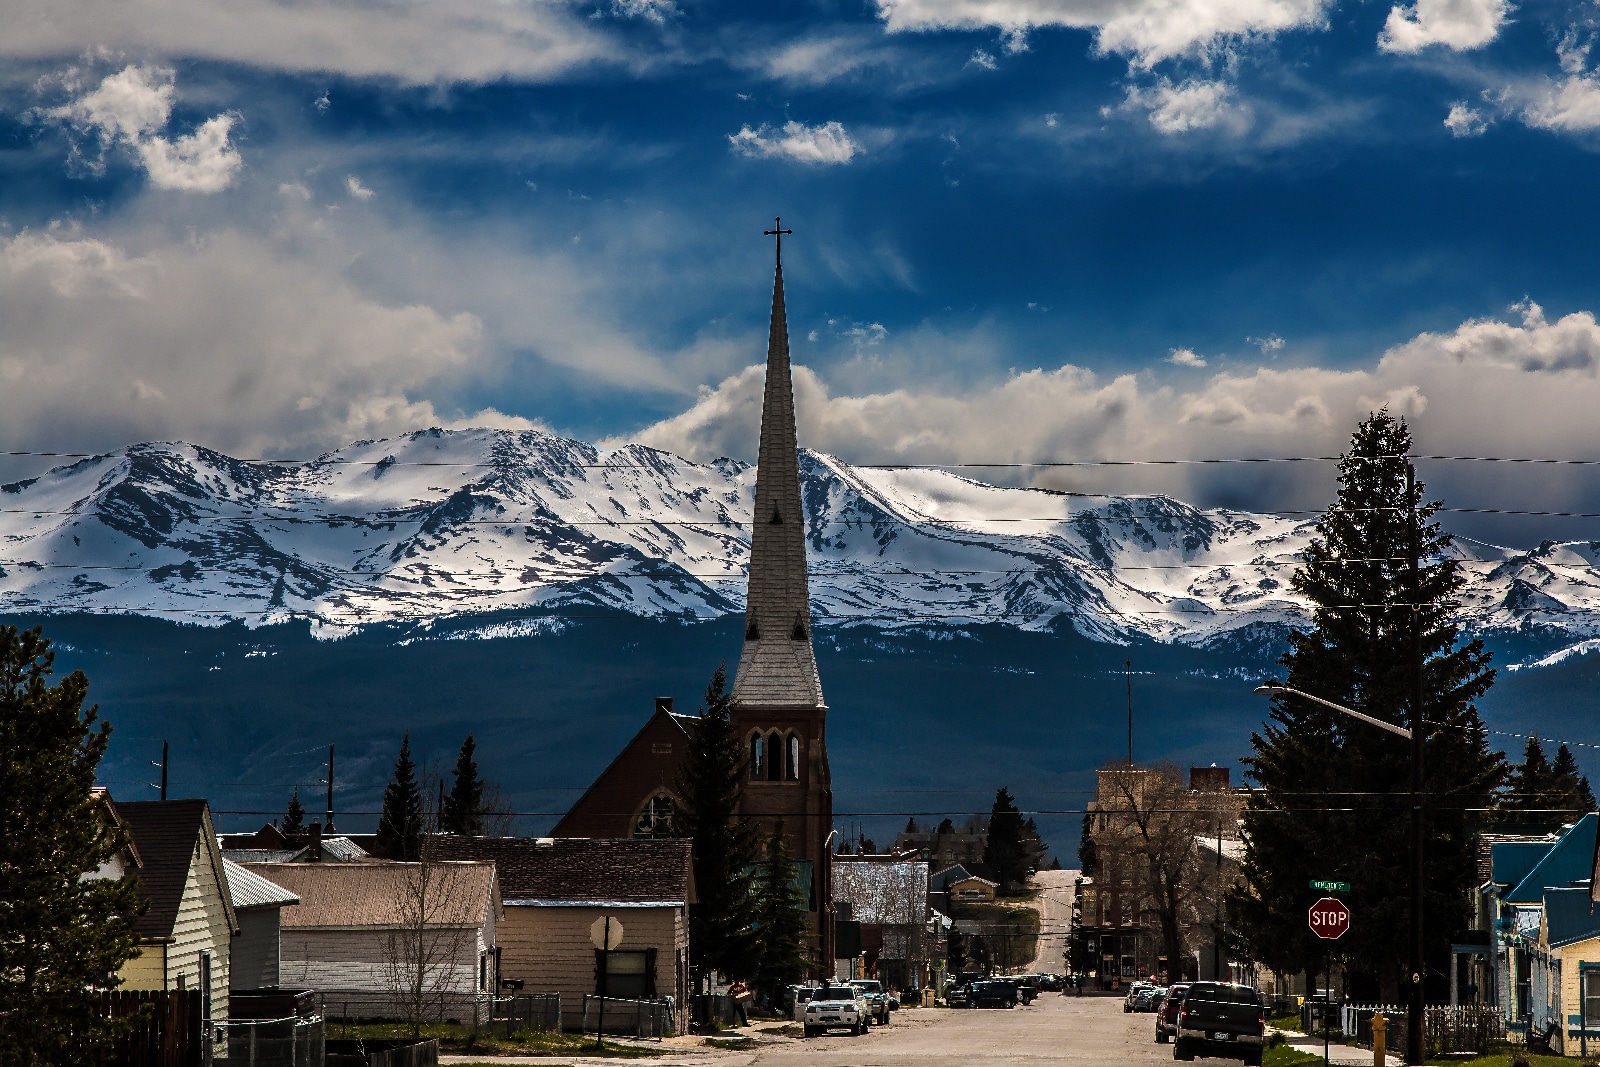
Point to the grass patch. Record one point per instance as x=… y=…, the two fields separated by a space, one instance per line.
x=1286 y=1022
x=1285 y=1056
x=1505 y=1059
x=734 y=1044
x=461 y=1040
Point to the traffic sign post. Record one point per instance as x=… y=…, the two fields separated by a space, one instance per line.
x=1329 y=919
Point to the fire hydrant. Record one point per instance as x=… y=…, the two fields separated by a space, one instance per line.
x=1379 y=1025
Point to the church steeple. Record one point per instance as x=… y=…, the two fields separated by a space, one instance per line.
x=778 y=667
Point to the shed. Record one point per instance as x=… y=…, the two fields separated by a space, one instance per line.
x=258 y=948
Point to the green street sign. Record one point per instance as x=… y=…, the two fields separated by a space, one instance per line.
x=1330 y=887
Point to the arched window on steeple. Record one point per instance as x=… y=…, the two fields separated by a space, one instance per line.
x=775 y=757
x=791 y=762
x=758 y=757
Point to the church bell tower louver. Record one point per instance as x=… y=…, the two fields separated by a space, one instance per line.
x=777 y=695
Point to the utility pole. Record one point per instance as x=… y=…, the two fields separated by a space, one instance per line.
x=1216 y=936
x=163 y=766
x=1414 y=998
x=330 y=791
x=1127 y=677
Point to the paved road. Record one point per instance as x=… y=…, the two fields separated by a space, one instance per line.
x=1074 y=1031
x=1055 y=919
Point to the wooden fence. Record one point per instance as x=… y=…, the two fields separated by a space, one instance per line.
x=167 y=1029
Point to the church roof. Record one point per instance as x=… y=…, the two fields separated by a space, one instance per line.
x=778 y=666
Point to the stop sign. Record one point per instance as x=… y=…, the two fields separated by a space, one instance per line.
x=1329 y=918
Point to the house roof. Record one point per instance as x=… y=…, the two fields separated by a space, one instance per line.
x=262 y=855
x=1570 y=916
x=250 y=890
x=885 y=893
x=1510 y=861
x=948 y=876
x=582 y=870
x=355 y=895
x=102 y=794
x=1569 y=861
x=166 y=832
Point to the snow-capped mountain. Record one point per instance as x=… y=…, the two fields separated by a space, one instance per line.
x=443 y=524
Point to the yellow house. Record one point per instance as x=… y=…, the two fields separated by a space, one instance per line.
x=185 y=936
x=1567 y=957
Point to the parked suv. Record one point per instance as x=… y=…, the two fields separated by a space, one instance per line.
x=871 y=991
x=1220 y=1019
x=835 y=1007
x=1167 y=1012
x=992 y=993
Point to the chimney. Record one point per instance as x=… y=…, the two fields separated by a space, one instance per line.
x=664 y=704
x=315 y=853
x=1212 y=779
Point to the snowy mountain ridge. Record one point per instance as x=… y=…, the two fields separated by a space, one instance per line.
x=441 y=524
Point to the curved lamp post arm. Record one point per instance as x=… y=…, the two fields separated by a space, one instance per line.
x=1272 y=689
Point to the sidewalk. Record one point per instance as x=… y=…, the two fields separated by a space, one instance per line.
x=1351 y=1055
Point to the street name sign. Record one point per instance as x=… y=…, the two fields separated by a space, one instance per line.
x=1329 y=918
x=1330 y=887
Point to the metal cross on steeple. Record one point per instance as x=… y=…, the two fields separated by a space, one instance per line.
x=778 y=232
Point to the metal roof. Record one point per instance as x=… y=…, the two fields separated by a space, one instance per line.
x=250 y=890
x=1569 y=861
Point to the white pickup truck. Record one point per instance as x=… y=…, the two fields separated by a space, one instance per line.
x=835 y=1007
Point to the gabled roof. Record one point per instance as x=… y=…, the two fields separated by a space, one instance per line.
x=1570 y=916
x=580 y=870
x=166 y=832
x=350 y=896
x=1510 y=861
x=1569 y=861
x=250 y=890
x=103 y=795
x=577 y=815
x=956 y=873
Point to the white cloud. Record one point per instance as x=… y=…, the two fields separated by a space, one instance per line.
x=1270 y=343
x=656 y=11
x=411 y=43
x=983 y=59
x=1465 y=121
x=132 y=108
x=1571 y=105
x=1454 y=386
x=824 y=143
x=219 y=339
x=353 y=186
x=1189 y=105
x=1186 y=357
x=1148 y=30
x=1461 y=25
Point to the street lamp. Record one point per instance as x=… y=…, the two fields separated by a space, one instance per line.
x=1414 y=1005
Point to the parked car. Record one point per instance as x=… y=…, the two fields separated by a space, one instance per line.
x=835 y=1007
x=992 y=993
x=1135 y=991
x=801 y=994
x=871 y=991
x=1149 y=999
x=1220 y=1019
x=959 y=996
x=1167 y=1012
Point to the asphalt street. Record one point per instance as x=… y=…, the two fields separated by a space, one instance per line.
x=1056 y=892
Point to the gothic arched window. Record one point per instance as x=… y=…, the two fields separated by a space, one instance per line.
x=791 y=765
x=775 y=757
x=758 y=757
x=656 y=819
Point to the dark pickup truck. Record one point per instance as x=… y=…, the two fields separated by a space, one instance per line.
x=1220 y=1019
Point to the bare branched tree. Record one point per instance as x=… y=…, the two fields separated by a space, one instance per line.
x=1153 y=822
x=498 y=811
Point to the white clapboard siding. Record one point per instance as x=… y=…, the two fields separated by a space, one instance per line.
x=201 y=926
x=360 y=960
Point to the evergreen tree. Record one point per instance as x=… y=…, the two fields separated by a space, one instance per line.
x=710 y=782
x=1541 y=794
x=865 y=846
x=945 y=827
x=1570 y=789
x=1033 y=844
x=780 y=917
x=461 y=812
x=400 y=823
x=1333 y=796
x=955 y=951
x=1530 y=782
x=1088 y=857
x=61 y=935
x=294 y=821
x=911 y=826
x=1005 y=854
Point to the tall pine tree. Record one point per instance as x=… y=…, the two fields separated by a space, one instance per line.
x=294 y=820
x=1333 y=796
x=1541 y=794
x=400 y=823
x=1005 y=853
x=780 y=918
x=1576 y=796
x=710 y=783
x=461 y=811
x=61 y=934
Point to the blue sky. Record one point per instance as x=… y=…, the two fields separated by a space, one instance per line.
x=1025 y=229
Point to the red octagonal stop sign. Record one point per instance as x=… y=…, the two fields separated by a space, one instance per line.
x=1329 y=918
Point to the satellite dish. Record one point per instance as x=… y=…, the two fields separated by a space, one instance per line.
x=598 y=934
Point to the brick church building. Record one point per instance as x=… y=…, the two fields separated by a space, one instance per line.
x=777 y=696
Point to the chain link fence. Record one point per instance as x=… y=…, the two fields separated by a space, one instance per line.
x=291 y=1042
x=631 y=1018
